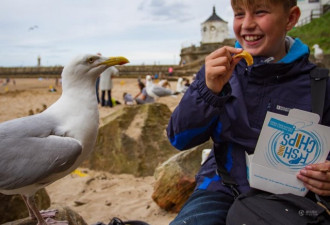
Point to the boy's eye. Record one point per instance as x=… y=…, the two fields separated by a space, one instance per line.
x=239 y=15
x=261 y=12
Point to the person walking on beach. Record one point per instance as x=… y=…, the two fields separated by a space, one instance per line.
x=106 y=85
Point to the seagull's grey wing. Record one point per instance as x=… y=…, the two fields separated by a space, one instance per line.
x=29 y=152
x=39 y=125
x=160 y=91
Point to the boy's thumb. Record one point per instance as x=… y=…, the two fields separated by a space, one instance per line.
x=234 y=62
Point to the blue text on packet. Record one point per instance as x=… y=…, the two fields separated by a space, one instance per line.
x=282 y=126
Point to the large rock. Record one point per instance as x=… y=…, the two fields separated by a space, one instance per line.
x=175 y=178
x=12 y=207
x=64 y=213
x=133 y=140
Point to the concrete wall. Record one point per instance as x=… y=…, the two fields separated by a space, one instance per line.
x=193 y=53
x=52 y=72
x=127 y=71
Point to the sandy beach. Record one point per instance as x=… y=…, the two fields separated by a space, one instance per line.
x=95 y=195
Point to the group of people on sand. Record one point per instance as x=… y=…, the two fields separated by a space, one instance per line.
x=142 y=97
x=104 y=84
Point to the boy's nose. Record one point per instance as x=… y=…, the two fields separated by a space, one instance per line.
x=248 y=22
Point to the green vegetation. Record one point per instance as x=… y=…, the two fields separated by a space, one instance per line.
x=316 y=32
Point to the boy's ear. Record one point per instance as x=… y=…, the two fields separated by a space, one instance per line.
x=293 y=18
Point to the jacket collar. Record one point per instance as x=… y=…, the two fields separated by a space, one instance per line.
x=294 y=63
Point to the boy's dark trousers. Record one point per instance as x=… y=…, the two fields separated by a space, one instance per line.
x=204 y=208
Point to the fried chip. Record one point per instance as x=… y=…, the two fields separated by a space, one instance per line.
x=247 y=56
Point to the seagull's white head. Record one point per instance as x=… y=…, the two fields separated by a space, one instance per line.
x=89 y=67
x=148 y=80
x=316 y=46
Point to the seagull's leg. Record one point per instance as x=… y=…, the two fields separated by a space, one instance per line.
x=31 y=214
x=40 y=216
x=33 y=208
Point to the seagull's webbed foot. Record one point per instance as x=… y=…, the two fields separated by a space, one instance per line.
x=50 y=221
x=48 y=213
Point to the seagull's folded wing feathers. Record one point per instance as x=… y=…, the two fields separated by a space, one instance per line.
x=28 y=159
x=160 y=91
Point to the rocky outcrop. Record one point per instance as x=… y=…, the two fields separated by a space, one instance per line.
x=63 y=214
x=12 y=207
x=133 y=140
x=175 y=178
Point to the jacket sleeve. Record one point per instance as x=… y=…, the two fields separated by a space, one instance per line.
x=195 y=119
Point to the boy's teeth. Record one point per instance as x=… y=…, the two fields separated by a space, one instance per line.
x=251 y=38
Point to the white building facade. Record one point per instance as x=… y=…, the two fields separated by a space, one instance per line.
x=309 y=9
x=214 y=29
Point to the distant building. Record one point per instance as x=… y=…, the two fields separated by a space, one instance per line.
x=214 y=29
x=311 y=9
x=215 y=34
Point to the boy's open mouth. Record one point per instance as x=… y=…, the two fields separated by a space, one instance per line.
x=252 y=37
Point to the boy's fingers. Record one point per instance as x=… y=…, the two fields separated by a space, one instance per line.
x=227 y=50
x=315 y=174
x=214 y=63
x=322 y=167
x=319 y=184
x=316 y=190
x=235 y=61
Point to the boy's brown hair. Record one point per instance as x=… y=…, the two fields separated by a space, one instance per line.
x=287 y=4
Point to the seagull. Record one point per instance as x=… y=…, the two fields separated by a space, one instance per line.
x=33 y=27
x=164 y=83
x=318 y=53
x=157 y=91
x=180 y=87
x=39 y=149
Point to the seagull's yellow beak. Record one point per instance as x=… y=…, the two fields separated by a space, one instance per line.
x=112 y=61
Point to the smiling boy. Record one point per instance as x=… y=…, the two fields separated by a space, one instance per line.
x=229 y=100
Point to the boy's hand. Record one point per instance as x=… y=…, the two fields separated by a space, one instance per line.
x=316 y=178
x=219 y=66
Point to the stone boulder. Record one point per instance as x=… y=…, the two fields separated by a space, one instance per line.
x=133 y=140
x=175 y=178
x=12 y=207
x=64 y=213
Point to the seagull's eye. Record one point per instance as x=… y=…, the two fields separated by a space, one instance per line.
x=90 y=60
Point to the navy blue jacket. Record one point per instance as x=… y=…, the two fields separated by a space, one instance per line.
x=236 y=115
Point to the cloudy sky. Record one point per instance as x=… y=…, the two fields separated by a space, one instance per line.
x=144 y=31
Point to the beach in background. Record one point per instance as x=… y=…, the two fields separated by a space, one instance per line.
x=95 y=195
